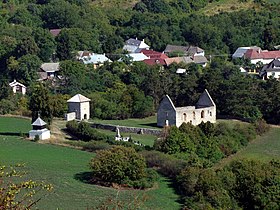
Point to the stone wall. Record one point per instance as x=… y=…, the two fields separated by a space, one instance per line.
x=126 y=129
x=166 y=111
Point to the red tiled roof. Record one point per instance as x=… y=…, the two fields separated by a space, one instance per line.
x=255 y=54
x=154 y=54
x=155 y=61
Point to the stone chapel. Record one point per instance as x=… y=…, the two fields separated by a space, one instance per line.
x=203 y=111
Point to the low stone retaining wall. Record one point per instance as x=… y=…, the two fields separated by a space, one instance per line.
x=126 y=129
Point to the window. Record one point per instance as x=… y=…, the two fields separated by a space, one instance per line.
x=202 y=114
x=210 y=114
x=194 y=115
x=185 y=117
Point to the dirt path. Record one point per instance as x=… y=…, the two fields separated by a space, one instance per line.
x=57 y=134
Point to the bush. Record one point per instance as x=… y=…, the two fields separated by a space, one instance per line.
x=118 y=165
x=83 y=131
x=166 y=164
x=93 y=146
x=36 y=138
x=261 y=127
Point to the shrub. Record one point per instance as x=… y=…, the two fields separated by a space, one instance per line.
x=83 y=131
x=93 y=146
x=36 y=138
x=261 y=127
x=165 y=164
x=118 y=165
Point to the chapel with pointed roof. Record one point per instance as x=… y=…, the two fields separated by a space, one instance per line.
x=203 y=111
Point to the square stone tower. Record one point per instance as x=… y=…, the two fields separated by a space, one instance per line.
x=79 y=105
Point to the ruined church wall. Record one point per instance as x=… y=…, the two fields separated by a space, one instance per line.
x=195 y=116
x=166 y=112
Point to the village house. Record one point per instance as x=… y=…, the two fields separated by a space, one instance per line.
x=185 y=50
x=135 y=57
x=135 y=45
x=203 y=111
x=78 y=108
x=48 y=71
x=200 y=60
x=17 y=87
x=263 y=56
x=94 y=59
x=154 y=57
x=240 y=51
x=271 y=70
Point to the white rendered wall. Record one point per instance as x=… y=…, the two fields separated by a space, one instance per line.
x=43 y=134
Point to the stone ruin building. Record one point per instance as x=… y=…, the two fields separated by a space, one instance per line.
x=203 y=111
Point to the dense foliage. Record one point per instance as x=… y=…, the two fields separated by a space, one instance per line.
x=121 y=165
x=84 y=131
x=130 y=90
x=205 y=144
x=245 y=184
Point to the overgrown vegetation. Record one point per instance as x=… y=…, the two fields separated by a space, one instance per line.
x=205 y=144
x=123 y=166
x=246 y=184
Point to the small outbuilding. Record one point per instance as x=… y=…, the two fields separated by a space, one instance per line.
x=18 y=87
x=78 y=108
x=39 y=128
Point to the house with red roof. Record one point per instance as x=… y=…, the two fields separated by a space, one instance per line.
x=155 y=58
x=263 y=56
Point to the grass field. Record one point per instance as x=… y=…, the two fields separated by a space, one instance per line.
x=61 y=166
x=14 y=125
x=264 y=148
x=149 y=122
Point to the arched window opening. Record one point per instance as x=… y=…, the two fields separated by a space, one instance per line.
x=202 y=114
x=210 y=114
x=185 y=117
x=194 y=115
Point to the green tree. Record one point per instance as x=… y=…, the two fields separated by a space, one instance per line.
x=60 y=14
x=25 y=68
x=72 y=40
x=40 y=103
x=45 y=43
x=118 y=165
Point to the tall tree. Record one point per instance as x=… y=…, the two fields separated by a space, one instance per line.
x=40 y=103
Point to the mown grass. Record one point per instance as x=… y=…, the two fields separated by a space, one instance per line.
x=64 y=168
x=148 y=122
x=14 y=125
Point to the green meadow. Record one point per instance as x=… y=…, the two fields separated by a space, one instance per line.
x=66 y=169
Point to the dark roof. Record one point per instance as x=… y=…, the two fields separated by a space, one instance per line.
x=272 y=66
x=173 y=48
x=134 y=42
x=205 y=100
x=188 y=50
